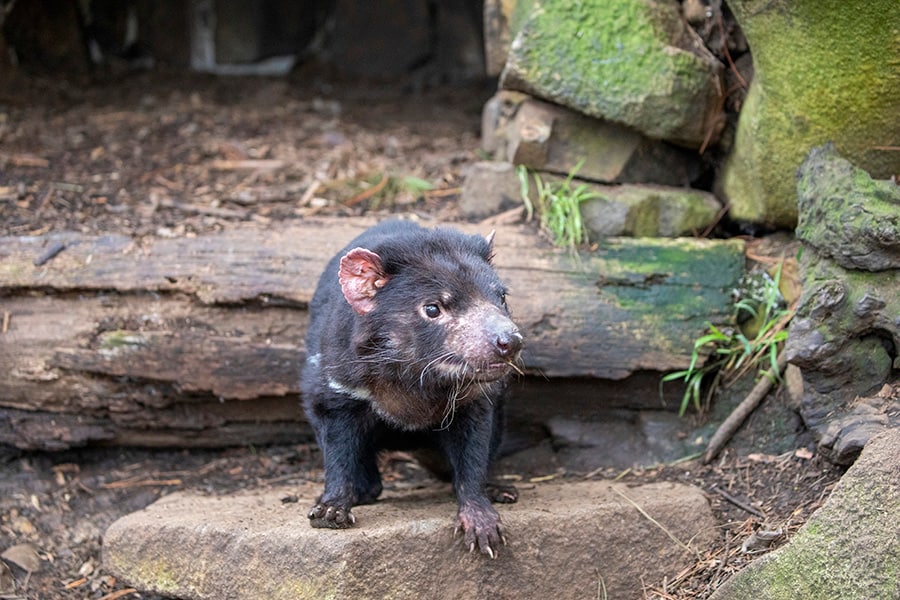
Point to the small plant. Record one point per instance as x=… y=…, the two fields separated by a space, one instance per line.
x=734 y=353
x=557 y=204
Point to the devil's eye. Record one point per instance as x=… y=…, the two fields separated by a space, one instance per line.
x=432 y=311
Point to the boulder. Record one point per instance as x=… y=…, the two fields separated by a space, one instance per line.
x=846 y=331
x=632 y=62
x=823 y=72
x=254 y=545
x=552 y=138
x=844 y=338
x=849 y=548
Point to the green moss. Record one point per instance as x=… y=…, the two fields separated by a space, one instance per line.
x=665 y=283
x=825 y=70
x=595 y=53
x=846 y=214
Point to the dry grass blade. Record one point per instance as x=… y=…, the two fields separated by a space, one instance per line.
x=658 y=524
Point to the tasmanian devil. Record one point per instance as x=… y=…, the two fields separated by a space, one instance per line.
x=410 y=347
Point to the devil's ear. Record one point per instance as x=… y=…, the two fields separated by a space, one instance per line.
x=489 y=238
x=361 y=276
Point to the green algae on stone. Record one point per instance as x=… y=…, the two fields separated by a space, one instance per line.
x=628 y=61
x=662 y=284
x=825 y=70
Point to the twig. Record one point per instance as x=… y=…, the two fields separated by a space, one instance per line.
x=25 y=160
x=119 y=594
x=738 y=503
x=141 y=483
x=658 y=524
x=454 y=191
x=737 y=74
x=213 y=211
x=76 y=583
x=742 y=411
x=366 y=194
x=720 y=214
x=256 y=164
x=307 y=196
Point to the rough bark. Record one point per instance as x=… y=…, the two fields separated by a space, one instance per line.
x=199 y=341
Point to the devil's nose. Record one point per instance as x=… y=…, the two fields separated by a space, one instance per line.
x=508 y=344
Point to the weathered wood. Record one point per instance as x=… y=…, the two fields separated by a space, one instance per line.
x=139 y=339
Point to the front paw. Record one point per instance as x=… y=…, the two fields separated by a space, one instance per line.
x=330 y=516
x=480 y=526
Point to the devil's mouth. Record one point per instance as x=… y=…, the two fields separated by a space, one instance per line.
x=458 y=368
x=492 y=371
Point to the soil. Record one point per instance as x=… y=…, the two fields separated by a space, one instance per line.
x=175 y=155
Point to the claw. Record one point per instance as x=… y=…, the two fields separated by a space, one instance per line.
x=471 y=547
x=323 y=516
x=490 y=552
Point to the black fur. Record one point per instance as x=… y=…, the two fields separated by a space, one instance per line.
x=410 y=346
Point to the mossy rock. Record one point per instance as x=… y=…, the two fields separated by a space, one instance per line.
x=648 y=211
x=825 y=70
x=846 y=215
x=632 y=62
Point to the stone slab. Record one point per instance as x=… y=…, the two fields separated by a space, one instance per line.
x=563 y=540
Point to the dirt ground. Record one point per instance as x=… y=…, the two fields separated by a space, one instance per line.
x=175 y=155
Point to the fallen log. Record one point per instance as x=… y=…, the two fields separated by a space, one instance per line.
x=198 y=339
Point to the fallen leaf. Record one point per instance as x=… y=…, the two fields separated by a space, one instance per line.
x=7 y=581
x=763 y=458
x=803 y=453
x=23 y=555
x=761 y=540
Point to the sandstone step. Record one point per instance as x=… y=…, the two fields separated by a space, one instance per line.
x=564 y=541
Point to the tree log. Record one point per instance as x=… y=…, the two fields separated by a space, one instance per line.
x=199 y=340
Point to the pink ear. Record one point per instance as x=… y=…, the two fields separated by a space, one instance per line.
x=361 y=275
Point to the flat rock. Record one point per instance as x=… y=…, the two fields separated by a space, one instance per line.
x=849 y=548
x=552 y=138
x=648 y=211
x=564 y=541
